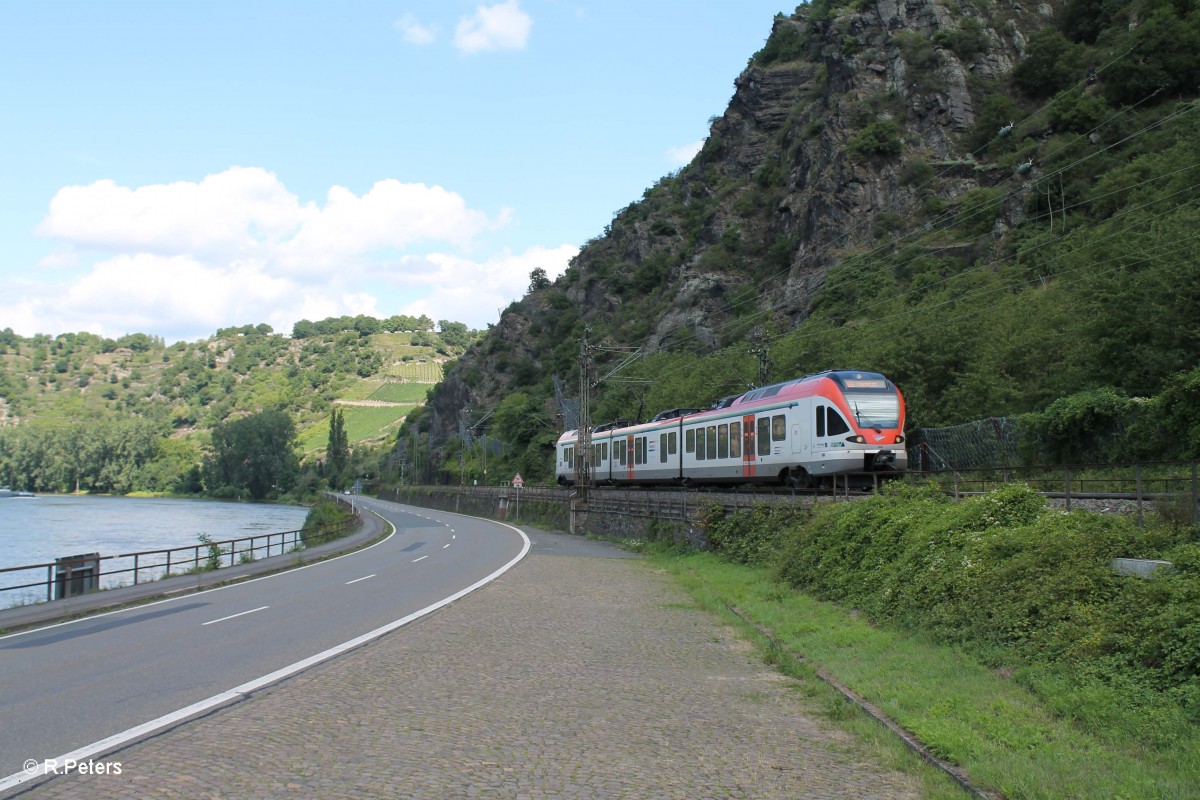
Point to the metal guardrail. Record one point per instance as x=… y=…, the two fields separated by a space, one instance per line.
x=151 y=565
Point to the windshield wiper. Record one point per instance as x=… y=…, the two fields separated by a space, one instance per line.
x=870 y=422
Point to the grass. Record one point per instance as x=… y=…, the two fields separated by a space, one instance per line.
x=363 y=423
x=1005 y=737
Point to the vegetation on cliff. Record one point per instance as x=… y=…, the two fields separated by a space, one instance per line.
x=993 y=205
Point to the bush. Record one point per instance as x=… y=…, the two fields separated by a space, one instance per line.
x=323 y=517
x=878 y=138
x=785 y=43
x=1083 y=428
x=753 y=537
x=1020 y=584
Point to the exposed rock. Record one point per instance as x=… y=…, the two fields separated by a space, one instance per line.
x=785 y=184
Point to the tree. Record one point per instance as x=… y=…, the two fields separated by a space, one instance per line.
x=454 y=334
x=337 y=452
x=253 y=456
x=538 y=280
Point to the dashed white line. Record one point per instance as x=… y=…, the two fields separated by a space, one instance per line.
x=231 y=616
x=112 y=742
x=363 y=578
x=447 y=544
x=422 y=558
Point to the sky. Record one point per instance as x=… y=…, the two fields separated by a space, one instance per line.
x=172 y=168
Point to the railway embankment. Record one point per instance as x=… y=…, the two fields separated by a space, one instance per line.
x=994 y=628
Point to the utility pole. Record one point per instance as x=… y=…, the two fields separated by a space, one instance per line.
x=761 y=350
x=583 y=446
x=463 y=415
x=583 y=442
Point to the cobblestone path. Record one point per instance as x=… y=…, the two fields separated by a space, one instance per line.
x=574 y=678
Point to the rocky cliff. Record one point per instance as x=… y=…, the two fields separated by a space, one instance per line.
x=857 y=125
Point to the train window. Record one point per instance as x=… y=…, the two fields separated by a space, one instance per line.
x=764 y=436
x=722 y=441
x=570 y=454
x=639 y=450
x=621 y=454
x=699 y=444
x=735 y=439
x=604 y=451
x=778 y=428
x=672 y=442
x=710 y=441
x=820 y=420
x=689 y=442
x=662 y=448
x=834 y=422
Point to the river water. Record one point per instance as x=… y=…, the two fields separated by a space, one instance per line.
x=36 y=530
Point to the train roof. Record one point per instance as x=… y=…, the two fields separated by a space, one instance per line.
x=845 y=379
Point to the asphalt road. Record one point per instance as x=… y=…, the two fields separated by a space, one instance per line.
x=67 y=687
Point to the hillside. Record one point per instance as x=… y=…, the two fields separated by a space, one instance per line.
x=992 y=203
x=78 y=397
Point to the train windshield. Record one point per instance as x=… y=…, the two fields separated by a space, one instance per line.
x=875 y=410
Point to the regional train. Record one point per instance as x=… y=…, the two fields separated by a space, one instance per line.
x=839 y=427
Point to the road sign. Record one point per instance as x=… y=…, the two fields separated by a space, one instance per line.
x=518 y=481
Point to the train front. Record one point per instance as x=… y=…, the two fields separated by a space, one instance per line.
x=876 y=411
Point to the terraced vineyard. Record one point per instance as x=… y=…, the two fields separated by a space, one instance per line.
x=416 y=371
x=363 y=424
x=393 y=392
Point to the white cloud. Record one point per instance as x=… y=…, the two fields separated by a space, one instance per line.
x=503 y=26
x=225 y=213
x=414 y=32
x=684 y=153
x=183 y=259
x=477 y=291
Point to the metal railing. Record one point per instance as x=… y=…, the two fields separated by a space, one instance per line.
x=1158 y=482
x=152 y=565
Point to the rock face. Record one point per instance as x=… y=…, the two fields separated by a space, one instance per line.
x=843 y=127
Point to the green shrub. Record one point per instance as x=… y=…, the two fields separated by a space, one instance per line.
x=879 y=138
x=1078 y=113
x=753 y=537
x=1085 y=427
x=1020 y=584
x=786 y=43
x=322 y=517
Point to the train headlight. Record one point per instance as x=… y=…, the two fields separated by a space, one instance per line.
x=856 y=439
x=899 y=439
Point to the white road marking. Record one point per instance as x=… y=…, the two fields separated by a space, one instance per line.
x=238 y=692
x=447 y=544
x=191 y=594
x=231 y=616
x=422 y=558
x=363 y=578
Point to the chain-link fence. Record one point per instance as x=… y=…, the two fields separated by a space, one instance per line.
x=990 y=442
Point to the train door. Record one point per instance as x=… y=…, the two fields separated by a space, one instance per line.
x=629 y=456
x=801 y=425
x=829 y=434
x=748 y=448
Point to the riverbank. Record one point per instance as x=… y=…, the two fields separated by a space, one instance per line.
x=373 y=528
